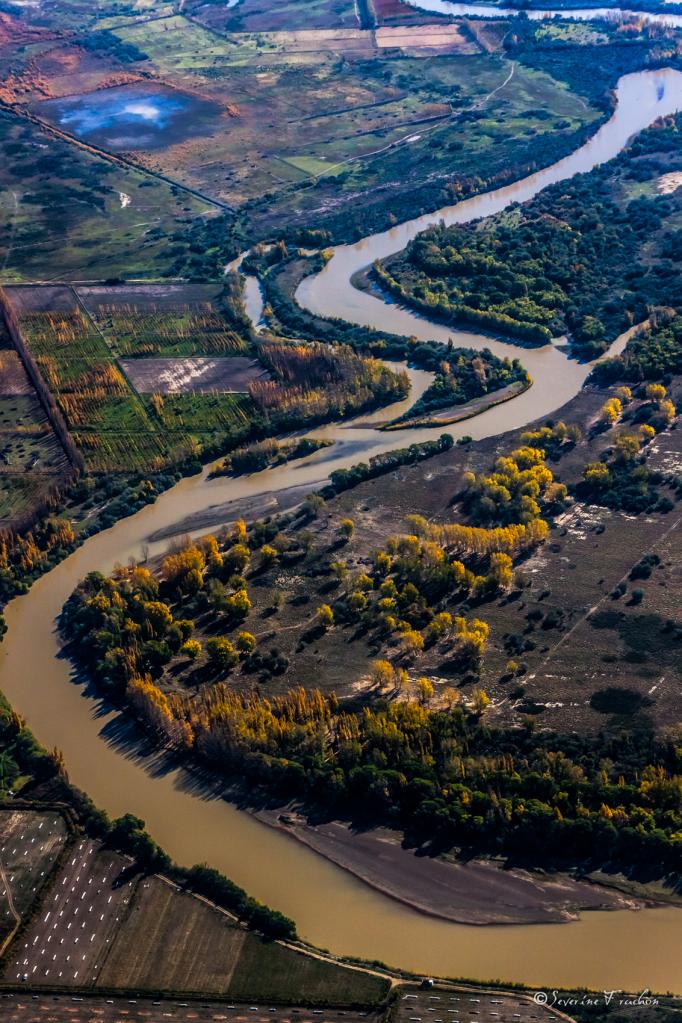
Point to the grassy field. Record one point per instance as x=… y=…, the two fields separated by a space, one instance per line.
x=67 y=214
x=275 y=972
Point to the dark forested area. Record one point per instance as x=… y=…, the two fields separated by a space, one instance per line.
x=588 y=257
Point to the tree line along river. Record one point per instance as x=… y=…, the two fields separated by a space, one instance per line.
x=107 y=758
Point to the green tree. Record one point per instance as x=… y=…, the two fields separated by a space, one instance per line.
x=221 y=653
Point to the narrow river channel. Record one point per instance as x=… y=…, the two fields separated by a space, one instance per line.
x=112 y=763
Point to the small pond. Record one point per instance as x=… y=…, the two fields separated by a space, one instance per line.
x=131 y=117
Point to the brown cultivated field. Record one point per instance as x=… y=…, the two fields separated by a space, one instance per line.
x=145 y=297
x=390 y=12
x=41 y=298
x=88 y=1007
x=187 y=945
x=13 y=379
x=447 y=1003
x=57 y=70
x=198 y=376
x=429 y=40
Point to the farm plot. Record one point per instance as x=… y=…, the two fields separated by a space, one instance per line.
x=27 y=441
x=172 y=941
x=30 y=844
x=32 y=460
x=198 y=376
x=203 y=417
x=115 y=429
x=253 y=16
x=78 y=920
x=99 y=406
x=168 y=331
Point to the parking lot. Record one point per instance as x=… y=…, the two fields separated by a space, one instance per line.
x=443 y=1005
x=66 y=942
x=25 y=1008
x=30 y=842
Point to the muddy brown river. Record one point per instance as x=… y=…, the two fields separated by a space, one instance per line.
x=105 y=757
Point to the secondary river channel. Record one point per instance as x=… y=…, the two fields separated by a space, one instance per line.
x=114 y=765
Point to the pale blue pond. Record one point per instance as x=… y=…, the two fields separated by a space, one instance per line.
x=132 y=117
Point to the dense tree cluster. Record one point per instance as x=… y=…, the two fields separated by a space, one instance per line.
x=621 y=479
x=571 y=260
x=267 y=453
x=315 y=381
x=443 y=777
x=463 y=375
x=515 y=492
x=650 y=355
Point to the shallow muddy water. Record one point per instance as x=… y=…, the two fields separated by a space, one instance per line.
x=106 y=757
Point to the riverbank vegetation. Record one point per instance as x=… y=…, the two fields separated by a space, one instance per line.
x=460 y=374
x=463 y=376
x=587 y=258
x=653 y=354
x=414 y=737
x=265 y=454
x=196 y=946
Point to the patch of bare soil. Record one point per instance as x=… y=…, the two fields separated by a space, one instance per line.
x=669 y=183
x=192 y=375
x=470 y=893
x=38 y=298
x=13 y=379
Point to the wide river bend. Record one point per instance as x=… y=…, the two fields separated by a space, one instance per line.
x=333 y=909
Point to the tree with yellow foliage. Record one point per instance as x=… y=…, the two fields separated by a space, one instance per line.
x=611 y=411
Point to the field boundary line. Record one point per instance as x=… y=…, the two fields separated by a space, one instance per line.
x=116 y=159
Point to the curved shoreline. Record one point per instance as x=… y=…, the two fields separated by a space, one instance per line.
x=490 y=12
x=482 y=893
x=194 y=823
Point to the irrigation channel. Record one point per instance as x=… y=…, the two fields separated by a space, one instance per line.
x=106 y=757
